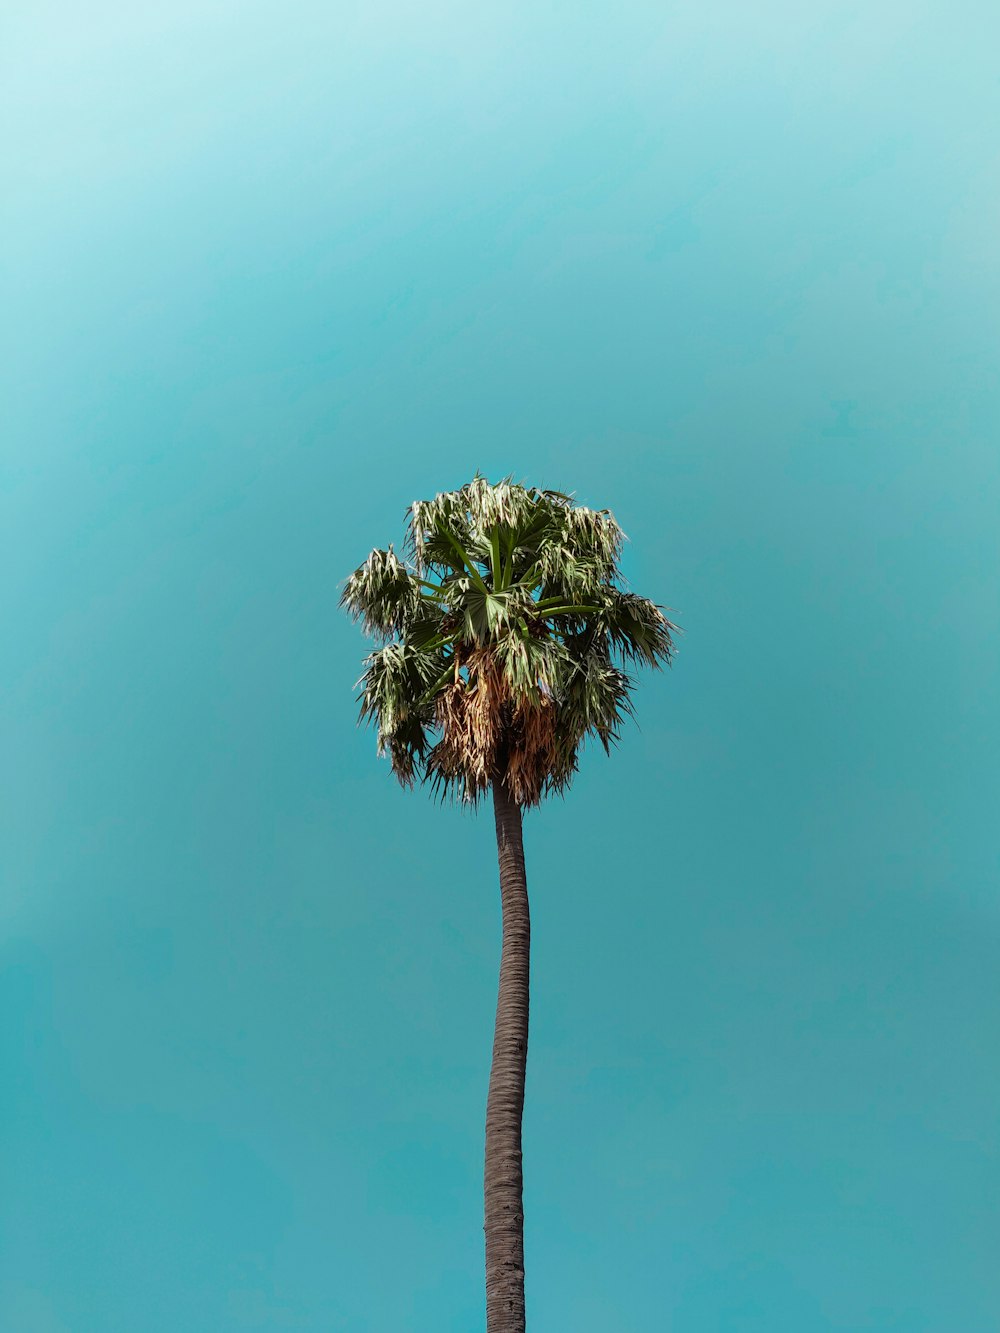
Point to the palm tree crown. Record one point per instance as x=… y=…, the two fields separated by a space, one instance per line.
x=506 y=634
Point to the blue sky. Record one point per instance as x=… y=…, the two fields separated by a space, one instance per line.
x=271 y=273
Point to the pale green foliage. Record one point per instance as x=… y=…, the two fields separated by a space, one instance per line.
x=506 y=634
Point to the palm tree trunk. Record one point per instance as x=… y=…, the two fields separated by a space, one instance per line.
x=503 y=1178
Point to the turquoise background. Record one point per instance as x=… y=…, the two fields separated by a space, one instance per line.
x=272 y=272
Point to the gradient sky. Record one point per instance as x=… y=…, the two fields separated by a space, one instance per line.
x=271 y=272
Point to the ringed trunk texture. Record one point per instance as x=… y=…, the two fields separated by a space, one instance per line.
x=503 y=1177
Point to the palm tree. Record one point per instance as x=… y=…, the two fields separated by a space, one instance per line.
x=505 y=636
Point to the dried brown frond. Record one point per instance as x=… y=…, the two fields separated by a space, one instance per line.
x=531 y=748
x=485 y=729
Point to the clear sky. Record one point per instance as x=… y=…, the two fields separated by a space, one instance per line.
x=271 y=272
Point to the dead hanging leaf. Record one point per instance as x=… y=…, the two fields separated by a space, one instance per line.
x=481 y=722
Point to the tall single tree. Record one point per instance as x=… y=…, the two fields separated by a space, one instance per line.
x=506 y=635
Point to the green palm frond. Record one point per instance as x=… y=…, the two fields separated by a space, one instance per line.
x=383 y=594
x=637 y=627
x=506 y=635
x=397 y=696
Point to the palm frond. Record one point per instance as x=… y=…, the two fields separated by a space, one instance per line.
x=396 y=696
x=637 y=627
x=383 y=594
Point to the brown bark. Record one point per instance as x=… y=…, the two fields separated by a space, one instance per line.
x=503 y=1177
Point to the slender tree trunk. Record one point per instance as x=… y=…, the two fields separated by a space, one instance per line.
x=503 y=1178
